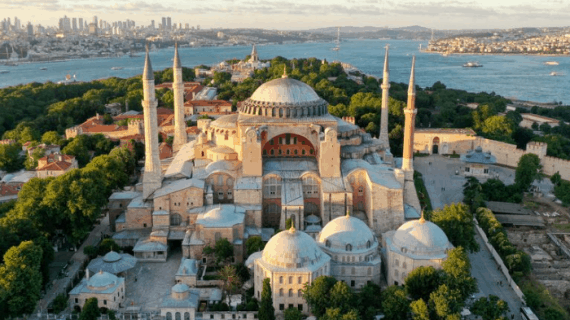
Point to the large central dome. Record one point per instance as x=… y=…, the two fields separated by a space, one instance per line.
x=285 y=98
x=285 y=90
x=293 y=249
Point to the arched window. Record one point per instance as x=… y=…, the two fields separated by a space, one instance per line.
x=300 y=280
x=168 y=316
x=175 y=219
x=281 y=292
x=272 y=187
x=328 y=243
x=310 y=187
x=404 y=265
x=290 y=292
x=290 y=280
x=186 y=315
x=177 y=316
x=281 y=280
x=368 y=244
x=299 y=293
x=397 y=263
x=349 y=247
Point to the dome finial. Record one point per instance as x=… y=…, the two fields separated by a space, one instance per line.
x=422 y=219
x=292 y=230
x=284 y=72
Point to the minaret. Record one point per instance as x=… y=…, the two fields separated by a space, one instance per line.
x=180 y=137
x=254 y=57
x=385 y=96
x=152 y=178
x=410 y=113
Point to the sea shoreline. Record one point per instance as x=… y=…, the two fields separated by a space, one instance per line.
x=496 y=54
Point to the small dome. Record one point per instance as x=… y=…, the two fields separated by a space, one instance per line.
x=180 y=288
x=421 y=237
x=102 y=280
x=342 y=231
x=112 y=256
x=292 y=249
x=285 y=90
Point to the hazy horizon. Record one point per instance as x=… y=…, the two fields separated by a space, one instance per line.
x=298 y=15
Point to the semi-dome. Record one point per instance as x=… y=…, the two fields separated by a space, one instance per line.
x=112 y=256
x=347 y=233
x=285 y=98
x=421 y=237
x=180 y=288
x=102 y=280
x=293 y=249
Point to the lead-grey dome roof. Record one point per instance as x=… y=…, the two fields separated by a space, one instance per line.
x=422 y=238
x=285 y=98
x=292 y=249
x=347 y=230
x=102 y=280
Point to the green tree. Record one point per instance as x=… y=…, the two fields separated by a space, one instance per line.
x=317 y=294
x=395 y=303
x=108 y=245
x=292 y=314
x=457 y=268
x=60 y=303
x=368 y=301
x=445 y=302
x=457 y=222
x=113 y=169
x=266 y=310
x=78 y=148
x=341 y=297
x=90 y=310
x=10 y=159
x=490 y=308
x=337 y=314
x=419 y=310
x=422 y=281
x=556 y=178
x=32 y=161
x=231 y=280
x=498 y=128
x=222 y=250
x=528 y=169
x=254 y=244
x=21 y=279
x=52 y=137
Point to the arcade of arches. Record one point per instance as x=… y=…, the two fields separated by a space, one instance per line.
x=288 y=145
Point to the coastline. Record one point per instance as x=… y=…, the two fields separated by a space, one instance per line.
x=497 y=54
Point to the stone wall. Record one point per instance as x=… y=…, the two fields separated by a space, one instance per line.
x=221 y=315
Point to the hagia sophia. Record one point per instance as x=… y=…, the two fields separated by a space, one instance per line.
x=281 y=160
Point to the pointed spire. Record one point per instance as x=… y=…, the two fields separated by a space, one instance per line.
x=386 y=67
x=285 y=72
x=422 y=219
x=412 y=84
x=347 y=212
x=147 y=73
x=177 y=63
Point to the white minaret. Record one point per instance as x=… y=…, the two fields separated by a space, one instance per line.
x=385 y=96
x=180 y=137
x=152 y=178
x=410 y=114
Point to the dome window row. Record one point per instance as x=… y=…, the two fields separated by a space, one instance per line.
x=286 y=111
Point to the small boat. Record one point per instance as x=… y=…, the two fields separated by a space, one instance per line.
x=11 y=64
x=4 y=71
x=472 y=64
x=43 y=68
x=551 y=63
x=554 y=74
x=116 y=68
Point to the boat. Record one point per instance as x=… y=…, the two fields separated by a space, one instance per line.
x=551 y=63
x=43 y=68
x=554 y=74
x=116 y=68
x=4 y=71
x=472 y=64
x=11 y=64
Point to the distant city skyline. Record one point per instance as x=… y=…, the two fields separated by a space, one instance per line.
x=299 y=15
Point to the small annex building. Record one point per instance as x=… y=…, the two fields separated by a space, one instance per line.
x=106 y=287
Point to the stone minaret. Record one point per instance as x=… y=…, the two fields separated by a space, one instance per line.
x=152 y=178
x=410 y=112
x=180 y=137
x=385 y=96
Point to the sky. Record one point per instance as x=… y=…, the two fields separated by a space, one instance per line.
x=302 y=14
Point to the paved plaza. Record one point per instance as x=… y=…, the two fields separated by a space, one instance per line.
x=445 y=187
x=149 y=282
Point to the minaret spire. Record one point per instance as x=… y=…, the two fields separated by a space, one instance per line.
x=180 y=137
x=385 y=97
x=410 y=114
x=285 y=72
x=152 y=178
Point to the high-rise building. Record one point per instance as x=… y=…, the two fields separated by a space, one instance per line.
x=74 y=24
x=168 y=23
x=152 y=24
x=80 y=24
x=17 y=23
x=163 y=23
x=95 y=20
x=187 y=26
x=30 y=29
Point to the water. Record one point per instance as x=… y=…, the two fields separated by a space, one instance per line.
x=514 y=76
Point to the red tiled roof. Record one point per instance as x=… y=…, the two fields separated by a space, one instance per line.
x=214 y=103
x=55 y=166
x=53 y=156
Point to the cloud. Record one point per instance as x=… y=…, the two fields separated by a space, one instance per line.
x=37 y=4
